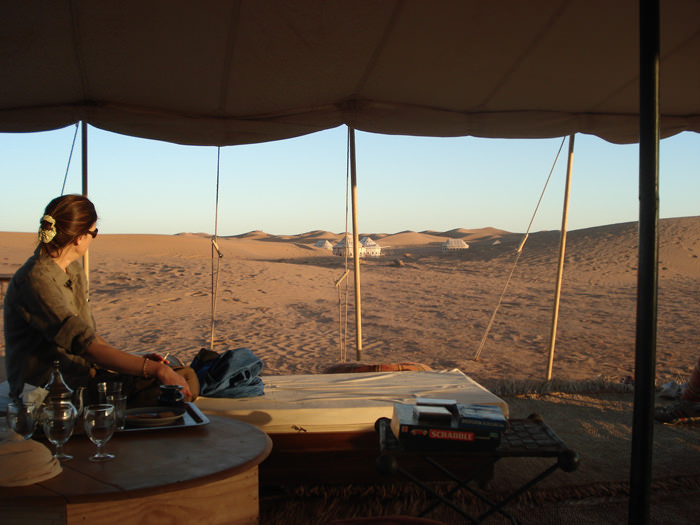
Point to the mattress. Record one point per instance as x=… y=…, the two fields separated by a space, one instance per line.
x=344 y=402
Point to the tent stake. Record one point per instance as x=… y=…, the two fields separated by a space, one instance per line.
x=355 y=244
x=562 y=250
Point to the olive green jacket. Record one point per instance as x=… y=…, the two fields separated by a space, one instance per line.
x=47 y=317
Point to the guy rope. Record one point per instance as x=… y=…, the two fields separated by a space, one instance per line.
x=517 y=257
x=351 y=188
x=216 y=253
x=342 y=280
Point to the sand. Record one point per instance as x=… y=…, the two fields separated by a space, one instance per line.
x=277 y=296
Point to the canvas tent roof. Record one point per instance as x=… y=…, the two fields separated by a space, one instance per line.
x=345 y=241
x=236 y=72
x=323 y=244
x=455 y=244
x=368 y=242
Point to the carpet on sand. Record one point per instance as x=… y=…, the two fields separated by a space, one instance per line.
x=598 y=426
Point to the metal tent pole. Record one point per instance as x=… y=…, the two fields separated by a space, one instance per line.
x=355 y=245
x=562 y=250
x=647 y=277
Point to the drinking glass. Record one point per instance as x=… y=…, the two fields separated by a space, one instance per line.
x=119 y=402
x=21 y=418
x=108 y=388
x=99 y=426
x=58 y=422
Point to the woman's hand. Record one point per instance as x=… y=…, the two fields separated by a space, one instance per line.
x=158 y=358
x=168 y=376
x=154 y=365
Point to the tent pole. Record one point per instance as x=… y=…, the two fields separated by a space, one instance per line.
x=355 y=244
x=647 y=275
x=562 y=250
x=84 y=143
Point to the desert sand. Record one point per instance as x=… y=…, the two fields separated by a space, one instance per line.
x=277 y=295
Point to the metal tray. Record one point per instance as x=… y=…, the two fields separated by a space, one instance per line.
x=192 y=417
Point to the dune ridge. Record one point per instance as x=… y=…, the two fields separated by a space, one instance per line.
x=277 y=296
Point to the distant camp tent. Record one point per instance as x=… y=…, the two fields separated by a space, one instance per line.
x=454 y=244
x=325 y=244
x=370 y=248
x=345 y=245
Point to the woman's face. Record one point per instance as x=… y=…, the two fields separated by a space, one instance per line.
x=84 y=241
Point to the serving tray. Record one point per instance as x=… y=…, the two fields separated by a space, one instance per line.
x=192 y=417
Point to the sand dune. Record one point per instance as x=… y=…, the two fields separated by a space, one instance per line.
x=277 y=295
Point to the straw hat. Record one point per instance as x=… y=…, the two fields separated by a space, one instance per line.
x=24 y=461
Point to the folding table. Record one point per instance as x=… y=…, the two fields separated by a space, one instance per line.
x=529 y=437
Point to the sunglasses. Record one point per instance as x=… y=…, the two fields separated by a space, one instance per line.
x=93 y=233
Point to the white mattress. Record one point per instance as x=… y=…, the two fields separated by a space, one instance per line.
x=344 y=402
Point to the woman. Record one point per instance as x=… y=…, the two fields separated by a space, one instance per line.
x=48 y=316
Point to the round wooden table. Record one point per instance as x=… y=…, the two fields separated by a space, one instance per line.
x=206 y=474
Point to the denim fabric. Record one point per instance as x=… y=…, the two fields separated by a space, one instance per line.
x=253 y=389
x=232 y=374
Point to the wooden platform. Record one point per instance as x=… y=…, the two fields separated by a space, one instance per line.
x=205 y=474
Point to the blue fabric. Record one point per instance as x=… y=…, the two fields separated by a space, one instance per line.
x=232 y=374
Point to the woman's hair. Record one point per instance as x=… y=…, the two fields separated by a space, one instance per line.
x=74 y=215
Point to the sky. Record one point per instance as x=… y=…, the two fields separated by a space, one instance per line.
x=299 y=185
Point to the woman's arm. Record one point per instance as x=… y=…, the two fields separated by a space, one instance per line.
x=102 y=353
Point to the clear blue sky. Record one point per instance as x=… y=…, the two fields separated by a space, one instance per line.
x=297 y=185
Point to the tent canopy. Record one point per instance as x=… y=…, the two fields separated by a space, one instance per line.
x=223 y=72
x=234 y=72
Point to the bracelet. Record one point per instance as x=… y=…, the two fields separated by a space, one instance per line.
x=144 y=371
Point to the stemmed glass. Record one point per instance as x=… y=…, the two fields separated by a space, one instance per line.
x=59 y=422
x=21 y=418
x=99 y=426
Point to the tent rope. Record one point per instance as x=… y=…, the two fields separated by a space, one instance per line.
x=342 y=343
x=70 y=157
x=216 y=253
x=517 y=256
x=343 y=309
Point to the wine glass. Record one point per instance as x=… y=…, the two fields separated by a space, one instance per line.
x=59 y=422
x=99 y=426
x=21 y=418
